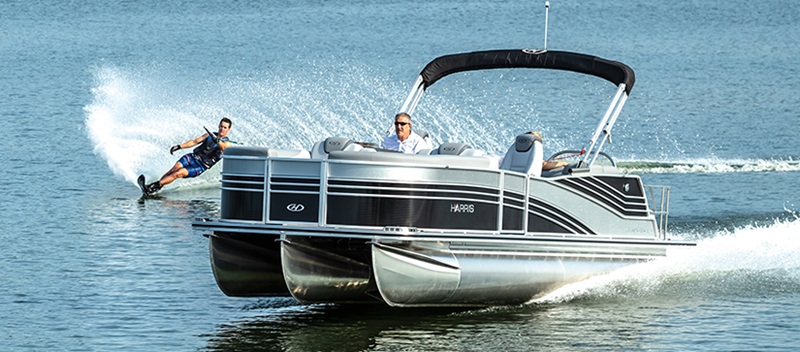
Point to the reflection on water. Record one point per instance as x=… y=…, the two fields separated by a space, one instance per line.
x=284 y=327
x=669 y=322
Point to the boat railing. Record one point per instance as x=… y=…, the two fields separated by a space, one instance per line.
x=658 y=199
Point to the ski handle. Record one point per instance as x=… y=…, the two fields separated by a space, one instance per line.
x=211 y=134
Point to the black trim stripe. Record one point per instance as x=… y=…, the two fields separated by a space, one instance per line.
x=514 y=199
x=538 y=223
x=596 y=192
x=236 y=185
x=611 y=191
x=298 y=188
x=290 y=184
x=617 y=182
x=294 y=180
x=233 y=178
x=514 y=195
x=513 y=202
x=602 y=191
x=423 y=186
x=406 y=189
x=412 y=193
x=552 y=212
x=243 y=182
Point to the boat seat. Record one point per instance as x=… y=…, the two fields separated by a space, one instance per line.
x=525 y=155
x=321 y=150
x=424 y=134
x=427 y=137
x=460 y=149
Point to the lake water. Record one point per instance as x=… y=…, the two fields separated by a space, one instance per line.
x=95 y=92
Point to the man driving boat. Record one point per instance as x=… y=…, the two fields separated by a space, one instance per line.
x=404 y=140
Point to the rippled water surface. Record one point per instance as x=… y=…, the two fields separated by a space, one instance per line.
x=96 y=92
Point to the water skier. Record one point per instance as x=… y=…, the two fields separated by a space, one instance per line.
x=202 y=158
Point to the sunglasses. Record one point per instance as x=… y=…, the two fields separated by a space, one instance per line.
x=402 y=123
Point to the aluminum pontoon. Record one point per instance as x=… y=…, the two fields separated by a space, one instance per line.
x=449 y=227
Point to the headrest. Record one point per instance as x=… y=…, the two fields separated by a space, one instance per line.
x=525 y=141
x=333 y=144
x=423 y=134
x=452 y=148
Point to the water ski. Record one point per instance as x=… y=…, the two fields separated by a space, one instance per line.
x=142 y=184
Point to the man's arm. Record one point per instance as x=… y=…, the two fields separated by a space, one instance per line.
x=188 y=144
x=223 y=145
x=549 y=165
x=193 y=142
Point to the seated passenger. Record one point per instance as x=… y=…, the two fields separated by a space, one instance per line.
x=546 y=164
x=405 y=140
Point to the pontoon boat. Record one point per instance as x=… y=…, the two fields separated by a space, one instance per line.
x=345 y=223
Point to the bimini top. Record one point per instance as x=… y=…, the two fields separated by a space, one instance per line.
x=613 y=71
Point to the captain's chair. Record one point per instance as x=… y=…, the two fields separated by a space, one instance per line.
x=525 y=155
x=332 y=144
x=425 y=135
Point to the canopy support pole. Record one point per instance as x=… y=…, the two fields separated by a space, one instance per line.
x=605 y=124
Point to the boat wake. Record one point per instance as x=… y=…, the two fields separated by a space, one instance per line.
x=137 y=114
x=709 y=166
x=752 y=261
x=132 y=122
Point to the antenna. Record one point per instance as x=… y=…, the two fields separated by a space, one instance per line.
x=546 y=15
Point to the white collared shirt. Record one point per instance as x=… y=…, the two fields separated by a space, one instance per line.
x=411 y=145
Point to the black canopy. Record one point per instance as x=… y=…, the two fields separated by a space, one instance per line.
x=613 y=71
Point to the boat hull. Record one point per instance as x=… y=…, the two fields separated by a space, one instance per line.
x=245 y=265
x=459 y=273
x=327 y=269
x=415 y=269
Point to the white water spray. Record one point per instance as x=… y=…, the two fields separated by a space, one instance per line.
x=132 y=122
x=709 y=165
x=136 y=115
x=753 y=260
